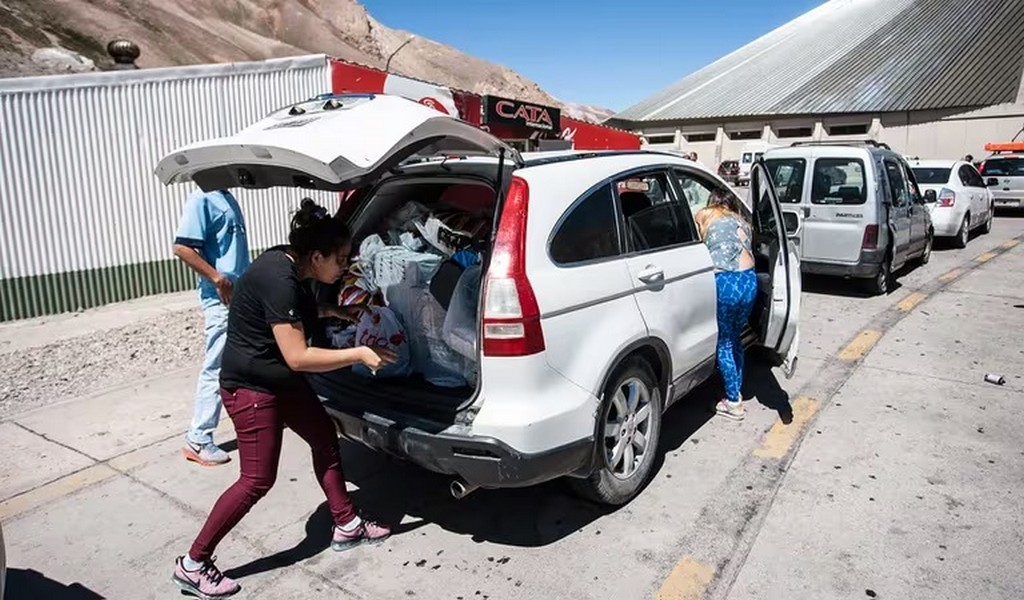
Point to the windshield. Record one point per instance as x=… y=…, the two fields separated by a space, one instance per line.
x=931 y=175
x=1005 y=167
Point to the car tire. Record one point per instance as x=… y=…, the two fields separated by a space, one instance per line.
x=964 y=234
x=879 y=284
x=926 y=255
x=987 y=227
x=625 y=427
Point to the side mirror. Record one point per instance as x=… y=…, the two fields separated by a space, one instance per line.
x=930 y=197
x=991 y=182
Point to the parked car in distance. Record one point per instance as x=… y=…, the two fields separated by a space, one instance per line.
x=1003 y=173
x=962 y=202
x=851 y=227
x=597 y=303
x=751 y=153
x=729 y=170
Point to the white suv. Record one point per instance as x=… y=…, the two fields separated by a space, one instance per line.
x=597 y=307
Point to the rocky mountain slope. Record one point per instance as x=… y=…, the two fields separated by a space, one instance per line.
x=182 y=32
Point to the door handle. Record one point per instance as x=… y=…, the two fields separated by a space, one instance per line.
x=651 y=274
x=807 y=211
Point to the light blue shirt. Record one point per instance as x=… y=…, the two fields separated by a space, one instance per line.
x=212 y=223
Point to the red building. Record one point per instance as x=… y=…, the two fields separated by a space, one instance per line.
x=524 y=125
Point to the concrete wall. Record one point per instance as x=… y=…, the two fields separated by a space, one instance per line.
x=925 y=134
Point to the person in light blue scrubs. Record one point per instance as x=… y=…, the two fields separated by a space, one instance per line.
x=211 y=240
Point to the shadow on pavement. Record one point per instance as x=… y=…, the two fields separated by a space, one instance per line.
x=760 y=381
x=28 y=584
x=527 y=517
x=847 y=288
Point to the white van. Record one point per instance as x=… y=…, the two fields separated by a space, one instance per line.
x=858 y=210
x=751 y=152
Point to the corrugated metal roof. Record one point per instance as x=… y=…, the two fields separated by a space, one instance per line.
x=859 y=56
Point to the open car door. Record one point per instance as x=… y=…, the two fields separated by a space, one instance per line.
x=776 y=258
x=331 y=142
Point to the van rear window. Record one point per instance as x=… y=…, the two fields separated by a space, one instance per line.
x=1005 y=167
x=788 y=177
x=838 y=181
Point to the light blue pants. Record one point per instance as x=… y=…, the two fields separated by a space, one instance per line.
x=206 y=413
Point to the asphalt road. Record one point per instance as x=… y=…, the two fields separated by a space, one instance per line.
x=899 y=476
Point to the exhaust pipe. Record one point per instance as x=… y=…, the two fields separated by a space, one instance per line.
x=460 y=488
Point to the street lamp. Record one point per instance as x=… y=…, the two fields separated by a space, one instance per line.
x=387 y=65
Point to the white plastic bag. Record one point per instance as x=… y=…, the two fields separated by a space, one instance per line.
x=460 y=331
x=380 y=328
x=437 y=361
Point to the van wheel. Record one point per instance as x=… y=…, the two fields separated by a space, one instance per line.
x=879 y=284
x=964 y=235
x=628 y=432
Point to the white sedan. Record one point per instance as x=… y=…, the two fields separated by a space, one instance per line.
x=962 y=201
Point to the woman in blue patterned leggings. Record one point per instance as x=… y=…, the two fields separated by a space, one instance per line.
x=727 y=234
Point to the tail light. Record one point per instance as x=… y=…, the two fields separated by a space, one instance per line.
x=870 y=237
x=947 y=197
x=981 y=168
x=511 y=322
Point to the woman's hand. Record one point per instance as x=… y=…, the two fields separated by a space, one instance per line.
x=376 y=359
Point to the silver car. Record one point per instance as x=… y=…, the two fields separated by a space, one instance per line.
x=1004 y=175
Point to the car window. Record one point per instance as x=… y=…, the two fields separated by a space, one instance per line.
x=766 y=229
x=932 y=175
x=838 y=181
x=898 y=191
x=654 y=218
x=788 y=177
x=965 y=176
x=696 y=191
x=748 y=157
x=1010 y=166
x=589 y=231
x=976 y=179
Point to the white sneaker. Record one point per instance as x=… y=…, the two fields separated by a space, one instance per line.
x=730 y=410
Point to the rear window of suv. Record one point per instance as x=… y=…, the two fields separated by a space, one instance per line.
x=931 y=176
x=838 y=181
x=1004 y=167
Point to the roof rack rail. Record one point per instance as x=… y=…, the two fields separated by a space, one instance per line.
x=874 y=143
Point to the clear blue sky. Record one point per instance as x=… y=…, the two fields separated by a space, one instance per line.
x=605 y=53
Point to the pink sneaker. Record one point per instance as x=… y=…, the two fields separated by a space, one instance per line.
x=367 y=532
x=207 y=583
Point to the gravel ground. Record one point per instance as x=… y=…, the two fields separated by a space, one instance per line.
x=78 y=366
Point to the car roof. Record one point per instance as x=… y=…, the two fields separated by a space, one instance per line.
x=824 y=151
x=1005 y=155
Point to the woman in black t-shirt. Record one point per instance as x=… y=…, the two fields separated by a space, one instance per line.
x=271 y=316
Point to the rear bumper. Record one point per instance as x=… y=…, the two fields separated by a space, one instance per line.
x=481 y=461
x=867 y=266
x=1012 y=199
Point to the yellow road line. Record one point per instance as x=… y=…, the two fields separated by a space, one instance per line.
x=780 y=437
x=907 y=304
x=54 y=490
x=952 y=275
x=1009 y=244
x=687 y=581
x=860 y=345
x=986 y=257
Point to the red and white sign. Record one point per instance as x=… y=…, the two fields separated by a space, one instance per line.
x=436 y=97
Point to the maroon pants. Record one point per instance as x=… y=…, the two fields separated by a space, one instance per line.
x=259 y=420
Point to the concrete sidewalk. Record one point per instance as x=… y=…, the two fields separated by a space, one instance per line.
x=909 y=485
